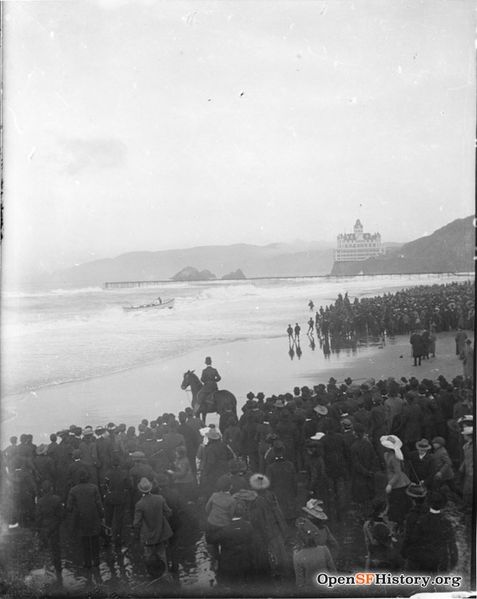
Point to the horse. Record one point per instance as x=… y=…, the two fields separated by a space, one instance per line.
x=218 y=401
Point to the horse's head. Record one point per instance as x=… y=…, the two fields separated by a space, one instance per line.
x=186 y=379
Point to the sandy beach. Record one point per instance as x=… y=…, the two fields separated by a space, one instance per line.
x=262 y=365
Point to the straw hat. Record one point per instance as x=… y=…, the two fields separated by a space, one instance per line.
x=144 y=485
x=394 y=443
x=313 y=508
x=259 y=482
x=321 y=410
x=317 y=436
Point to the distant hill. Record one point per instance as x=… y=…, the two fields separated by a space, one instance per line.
x=449 y=249
x=274 y=260
x=190 y=273
x=237 y=275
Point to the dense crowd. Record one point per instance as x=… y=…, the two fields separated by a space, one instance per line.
x=397 y=451
x=428 y=307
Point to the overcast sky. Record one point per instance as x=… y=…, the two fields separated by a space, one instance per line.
x=149 y=125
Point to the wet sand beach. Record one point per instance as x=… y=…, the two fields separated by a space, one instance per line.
x=258 y=365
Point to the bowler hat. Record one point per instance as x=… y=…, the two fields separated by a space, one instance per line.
x=259 y=482
x=417 y=491
x=439 y=440
x=423 y=444
x=144 y=485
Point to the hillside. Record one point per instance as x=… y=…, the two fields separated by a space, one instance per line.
x=449 y=249
x=274 y=260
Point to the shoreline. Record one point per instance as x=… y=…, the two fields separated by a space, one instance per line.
x=254 y=365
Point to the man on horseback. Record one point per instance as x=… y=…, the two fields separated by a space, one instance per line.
x=210 y=377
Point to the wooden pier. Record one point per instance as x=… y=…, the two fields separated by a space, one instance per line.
x=126 y=284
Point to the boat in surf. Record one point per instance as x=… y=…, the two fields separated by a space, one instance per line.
x=154 y=306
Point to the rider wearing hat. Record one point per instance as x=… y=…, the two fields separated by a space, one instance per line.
x=210 y=377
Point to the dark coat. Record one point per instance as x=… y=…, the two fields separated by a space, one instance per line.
x=150 y=519
x=436 y=549
x=84 y=502
x=418 y=345
x=214 y=463
x=117 y=486
x=236 y=558
x=420 y=469
x=410 y=430
x=49 y=514
x=45 y=468
x=365 y=464
x=283 y=482
x=335 y=455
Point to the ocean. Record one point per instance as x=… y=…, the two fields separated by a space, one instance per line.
x=61 y=335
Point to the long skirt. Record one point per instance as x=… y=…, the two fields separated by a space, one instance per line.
x=399 y=505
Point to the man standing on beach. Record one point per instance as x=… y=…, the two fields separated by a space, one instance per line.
x=290 y=332
x=297 y=331
x=311 y=324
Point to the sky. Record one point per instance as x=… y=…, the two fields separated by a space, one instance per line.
x=151 y=125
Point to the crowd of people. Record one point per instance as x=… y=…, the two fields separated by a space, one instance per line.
x=434 y=308
x=270 y=488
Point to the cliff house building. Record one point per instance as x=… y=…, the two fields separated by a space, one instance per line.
x=355 y=246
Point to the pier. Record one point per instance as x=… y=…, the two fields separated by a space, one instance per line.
x=125 y=284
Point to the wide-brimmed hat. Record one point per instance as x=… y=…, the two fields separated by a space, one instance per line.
x=423 y=444
x=313 y=508
x=466 y=420
x=317 y=436
x=439 y=440
x=259 y=482
x=418 y=491
x=137 y=455
x=321 y=410
x=88 y=430
x=41 y=449
x=144 y=485
x=394 y=443
x=213 y=434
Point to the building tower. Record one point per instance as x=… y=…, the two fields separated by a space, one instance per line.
x=358 y=245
